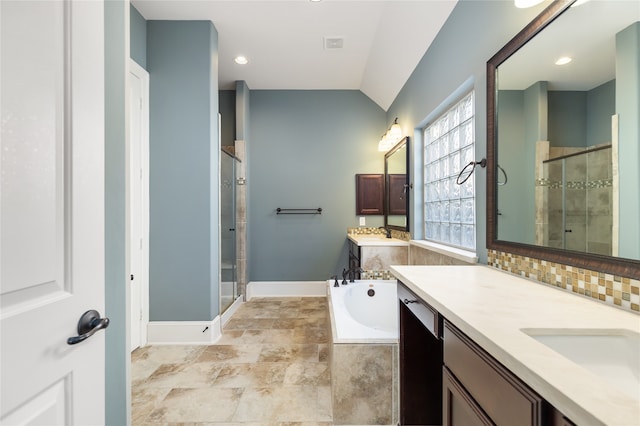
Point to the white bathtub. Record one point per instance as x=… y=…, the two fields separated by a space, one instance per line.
x=358 y=317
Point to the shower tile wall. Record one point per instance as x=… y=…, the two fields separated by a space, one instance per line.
x=588 y=203
x=600 y=202
x=241 y=218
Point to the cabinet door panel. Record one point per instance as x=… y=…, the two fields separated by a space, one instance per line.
x=500 y=393
x=369 y=194
x=459 y=408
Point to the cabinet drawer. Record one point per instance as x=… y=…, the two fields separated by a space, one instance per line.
x=428 y=316
x=505 y=399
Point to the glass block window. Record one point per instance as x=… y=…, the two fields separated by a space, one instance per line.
x=449 y=145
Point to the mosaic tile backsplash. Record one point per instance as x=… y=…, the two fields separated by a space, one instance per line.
x=619 y=291
x=401 y=235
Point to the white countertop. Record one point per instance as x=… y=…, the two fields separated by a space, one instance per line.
x=364 y=240
x=492 y=307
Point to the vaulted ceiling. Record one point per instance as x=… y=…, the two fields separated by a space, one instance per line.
x=285 y=42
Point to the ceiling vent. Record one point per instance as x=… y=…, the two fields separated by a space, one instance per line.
x=333 y=42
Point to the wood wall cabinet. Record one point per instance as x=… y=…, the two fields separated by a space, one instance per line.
x=369 y=194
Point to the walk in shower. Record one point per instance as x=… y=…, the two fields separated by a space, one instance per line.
x=578 y=201
x=228 y=269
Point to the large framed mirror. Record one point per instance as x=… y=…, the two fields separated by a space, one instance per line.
x=568 y=138
x=396 y=186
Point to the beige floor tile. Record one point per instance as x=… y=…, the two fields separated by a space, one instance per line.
x=197 y=405
x=192 y=375
x=308 y=373
x=289 y=353
x=258 y=374
x=230 y=353
x=281 y=404
x=311 y=335
x=269 y=368
x=231 y=337
x=268 y=336
x=249 y=323
x=144 y=401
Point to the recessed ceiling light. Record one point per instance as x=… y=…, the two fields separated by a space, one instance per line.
x=564 y=60
x=523 y=4
x=241 y=60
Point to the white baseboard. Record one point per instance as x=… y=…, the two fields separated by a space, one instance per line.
x=286 y=289
x=226 y=315
x=183 y=332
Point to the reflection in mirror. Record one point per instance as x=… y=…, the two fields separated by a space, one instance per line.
x=568 y=135
x=396 y=194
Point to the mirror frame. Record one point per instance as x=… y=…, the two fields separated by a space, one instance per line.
x=403 y=142
x=613 y=265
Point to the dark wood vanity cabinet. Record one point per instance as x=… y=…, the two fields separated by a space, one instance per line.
x=369 y=194
x=420 y=352
x=448 y=379
x=354 y=257
x=478 y=385
x=478 y=390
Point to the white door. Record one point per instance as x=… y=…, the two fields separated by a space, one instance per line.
x=138 y=204
x=52 y=211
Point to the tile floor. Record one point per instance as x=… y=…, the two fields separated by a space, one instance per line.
x=270 y=367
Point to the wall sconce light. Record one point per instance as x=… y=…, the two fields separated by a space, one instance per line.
x=391 y=138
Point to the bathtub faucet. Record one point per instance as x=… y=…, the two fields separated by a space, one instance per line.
x=351 y=272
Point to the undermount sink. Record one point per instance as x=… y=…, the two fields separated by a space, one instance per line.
x=613 y=355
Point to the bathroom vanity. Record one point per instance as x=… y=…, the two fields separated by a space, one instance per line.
x=375 y=252
x=518 y=352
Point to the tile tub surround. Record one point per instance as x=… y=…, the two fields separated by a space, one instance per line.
x=364 y=371
x=364 y=384
x=611 y=289
x=492 y=308
x=270 y=367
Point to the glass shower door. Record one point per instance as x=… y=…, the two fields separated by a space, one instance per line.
x=228 y=284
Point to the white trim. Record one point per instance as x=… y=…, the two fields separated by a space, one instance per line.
x=286 y=289
x=457 y=253
x=226 y=315
x=184 y=332
x=143 y=75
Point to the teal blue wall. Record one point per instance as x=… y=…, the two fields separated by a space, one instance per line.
x=228 y=116
x=581 y=118
x=474 y=32
x=184 y=152
x=601 y=105
x=138 y=37
x=628 y=108
x=117 y=398
x=305 y=149
x=568 y=118
x=512 y=145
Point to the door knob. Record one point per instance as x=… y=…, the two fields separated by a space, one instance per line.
x=89 y=323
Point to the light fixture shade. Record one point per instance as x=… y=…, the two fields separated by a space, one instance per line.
x=395 y=132
x=391 y=138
